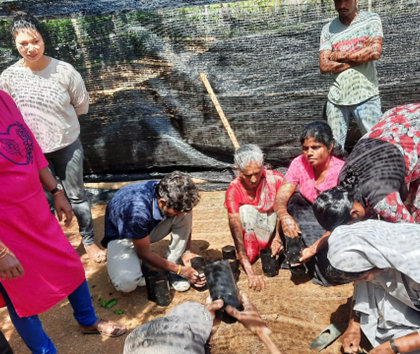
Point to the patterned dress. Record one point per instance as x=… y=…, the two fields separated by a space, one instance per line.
x=385 y=175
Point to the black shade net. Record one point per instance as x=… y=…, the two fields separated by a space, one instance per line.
x=149 y=109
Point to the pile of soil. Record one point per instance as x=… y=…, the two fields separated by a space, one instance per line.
x=296 y=312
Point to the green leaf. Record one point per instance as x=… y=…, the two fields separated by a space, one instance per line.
x=99 y=297
x=111 y=303
x=119 y=312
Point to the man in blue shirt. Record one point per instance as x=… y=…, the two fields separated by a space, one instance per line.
x=143 y=213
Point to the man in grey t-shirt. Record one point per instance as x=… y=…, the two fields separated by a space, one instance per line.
x=349 y=46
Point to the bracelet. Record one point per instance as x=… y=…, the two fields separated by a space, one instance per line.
x=4 y=253
x=394 y=347
x=179 y=269
x=58 y=192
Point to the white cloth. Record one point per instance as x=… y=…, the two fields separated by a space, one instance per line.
x=183 y=330
x=386 y=304
x=50 y=101
x=123 y=264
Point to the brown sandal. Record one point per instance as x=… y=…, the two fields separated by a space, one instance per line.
x=106 y=328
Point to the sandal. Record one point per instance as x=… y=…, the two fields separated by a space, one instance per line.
x=293 y=253
x=106 y=328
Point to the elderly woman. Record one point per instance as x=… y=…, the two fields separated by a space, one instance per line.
x=383 y=259
x=314 y=171
x=38 y=266
x=250 y=202
x=51 y=95
x=374 y=180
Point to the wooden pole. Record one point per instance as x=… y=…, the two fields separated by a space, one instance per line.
x=219 y=110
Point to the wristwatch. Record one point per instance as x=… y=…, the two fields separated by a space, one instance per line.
x=58 y=189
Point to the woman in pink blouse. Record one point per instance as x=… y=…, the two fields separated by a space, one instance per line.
x=315 y=171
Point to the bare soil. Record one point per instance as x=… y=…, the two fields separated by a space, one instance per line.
x=295 y=312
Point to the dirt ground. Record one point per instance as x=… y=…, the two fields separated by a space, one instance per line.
x=295 y=312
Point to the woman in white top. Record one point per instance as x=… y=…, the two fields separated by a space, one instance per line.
x=51 y=95
x=383 y=259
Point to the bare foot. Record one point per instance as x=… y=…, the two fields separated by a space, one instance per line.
x=106 y=328
x=95 y=253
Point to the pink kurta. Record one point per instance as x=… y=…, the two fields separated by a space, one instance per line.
x=52 y=267
x=301 y=173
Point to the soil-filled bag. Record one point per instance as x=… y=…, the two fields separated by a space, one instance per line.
x=222 y=285
x=199 y=264
x=270 y=265
x=162 y=292
x=229 y=254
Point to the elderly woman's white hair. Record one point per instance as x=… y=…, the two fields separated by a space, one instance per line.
x=246 y=154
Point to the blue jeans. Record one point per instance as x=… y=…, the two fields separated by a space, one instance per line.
x=366 y=115
x=67 y=165
x=30 y=328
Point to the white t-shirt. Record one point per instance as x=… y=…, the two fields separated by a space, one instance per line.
x=50 y=101
x=357 y=84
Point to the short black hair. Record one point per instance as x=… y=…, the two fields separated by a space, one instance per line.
x=24 y=20
x=332 y=207
x=320 y=131
x=179 y=191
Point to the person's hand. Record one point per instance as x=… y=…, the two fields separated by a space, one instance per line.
x=10 y=267
x=187 y=256
x=276 y=246
x=256 y=282
x=213 y=306
x=192 y=275
x=289 y=226
x=336 y=56
x=62 y=205
x=351 y=338
x=307 y=254
x=249 y=317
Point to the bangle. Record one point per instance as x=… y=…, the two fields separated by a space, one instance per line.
x=60 y=191
x=179 y=269
x=4 y=253
x=394 y=346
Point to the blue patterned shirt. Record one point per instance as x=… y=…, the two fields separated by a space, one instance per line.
x=132 y=213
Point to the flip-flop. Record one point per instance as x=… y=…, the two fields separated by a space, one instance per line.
x=326 y=337
x=118 y=330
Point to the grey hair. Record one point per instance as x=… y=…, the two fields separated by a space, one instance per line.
x=247 y=154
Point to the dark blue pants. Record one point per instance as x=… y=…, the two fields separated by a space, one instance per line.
x=30 y=328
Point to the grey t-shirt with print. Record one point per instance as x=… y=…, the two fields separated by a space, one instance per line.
x=357 y=84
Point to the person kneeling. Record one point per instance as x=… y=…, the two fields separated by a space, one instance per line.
x=144 y=213
x=250 y=205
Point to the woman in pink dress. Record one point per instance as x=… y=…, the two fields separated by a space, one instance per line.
x=36 y=259
x=316 y=170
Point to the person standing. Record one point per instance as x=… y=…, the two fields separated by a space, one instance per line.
x=38 y=265
x=350 y=44
x=51 y=95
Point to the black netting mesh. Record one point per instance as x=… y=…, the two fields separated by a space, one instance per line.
x=141 y=62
